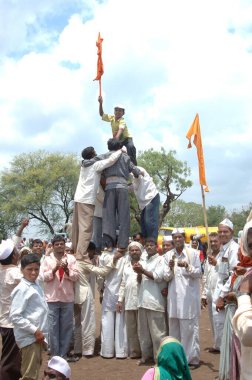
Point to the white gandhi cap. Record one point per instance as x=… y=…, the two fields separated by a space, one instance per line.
x=226 y=222
x=59 y=364
x=6 y=248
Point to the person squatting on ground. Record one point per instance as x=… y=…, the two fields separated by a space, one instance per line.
x=171 y=362
x=29 y=314
x=57 y=369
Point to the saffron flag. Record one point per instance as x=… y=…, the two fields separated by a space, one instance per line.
x=195 y=131
x=100 y=69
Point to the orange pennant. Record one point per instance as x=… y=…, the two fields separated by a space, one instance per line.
x=195 y=131
x=100 y=69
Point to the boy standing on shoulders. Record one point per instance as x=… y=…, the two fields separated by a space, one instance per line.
x=119 y=128
x=29 y=314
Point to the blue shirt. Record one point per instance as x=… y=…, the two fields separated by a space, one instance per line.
x=28 y=313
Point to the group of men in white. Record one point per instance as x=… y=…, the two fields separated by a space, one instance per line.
x=145 y=295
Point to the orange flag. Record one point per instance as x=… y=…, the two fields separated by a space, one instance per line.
x=195 y=130
x=100 y=70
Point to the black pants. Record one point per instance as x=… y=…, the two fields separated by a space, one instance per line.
x=131 y=149
x=10 y=364
x=116 y=212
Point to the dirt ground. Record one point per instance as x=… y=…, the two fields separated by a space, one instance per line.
x=97 y=368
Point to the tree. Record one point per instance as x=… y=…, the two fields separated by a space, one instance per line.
x=169 y=174
x=40 y=185
x=135 y=214
x=215 y=214
x=185 y=214
x=239 y=218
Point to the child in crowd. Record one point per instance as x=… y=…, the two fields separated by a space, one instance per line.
x=29 y=314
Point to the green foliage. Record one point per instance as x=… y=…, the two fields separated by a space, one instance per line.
x=215 y=214
x=185 y=214
x=239 y=217
x=135 y=213
x=40 y=185
x=169 y=174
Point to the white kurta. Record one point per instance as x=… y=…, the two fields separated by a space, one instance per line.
x=84 y=312
x=209 y=282
x=144 y=188
x=184 y=300
x=184 y=284
x=151 y=303
x=113 y=328
x=129 y=288
x=227 y=259
x=128 y=293
x=150 y=296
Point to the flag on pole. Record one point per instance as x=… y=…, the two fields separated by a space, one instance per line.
x=100 y=69
x=195 y=131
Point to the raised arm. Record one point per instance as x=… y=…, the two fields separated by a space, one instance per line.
x=17 y=237
x=100 y=100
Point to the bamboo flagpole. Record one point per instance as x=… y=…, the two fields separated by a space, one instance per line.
x=100 y=68
x=195 y=131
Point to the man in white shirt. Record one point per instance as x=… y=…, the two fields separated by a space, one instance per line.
x=10 y=276
x=113 y=328
x=151 y=303
x=85 y=197
x=182 y=270
x=128 y=298
x=167 y=244
x=227 y=260
x=209 y=281
x=148 y=199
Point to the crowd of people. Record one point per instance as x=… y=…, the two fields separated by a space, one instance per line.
x=151 y=300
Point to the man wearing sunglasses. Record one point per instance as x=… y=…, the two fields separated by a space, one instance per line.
x=57 y=369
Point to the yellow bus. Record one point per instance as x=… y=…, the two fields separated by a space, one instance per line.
x=198 y=230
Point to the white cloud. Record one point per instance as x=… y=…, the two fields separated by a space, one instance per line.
x=165 y=61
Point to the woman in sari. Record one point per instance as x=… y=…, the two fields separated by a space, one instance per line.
x=171 y=362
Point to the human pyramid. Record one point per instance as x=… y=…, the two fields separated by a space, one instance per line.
x=146 y=295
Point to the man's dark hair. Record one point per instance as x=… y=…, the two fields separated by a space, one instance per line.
x=36 y=241
x=88 y=153
x=31 y=258
x=8 y=259
x=114 y=144
x=151 y=239
x=91 y=246
x=214 y=234
x=138 y=233
x=58 y=238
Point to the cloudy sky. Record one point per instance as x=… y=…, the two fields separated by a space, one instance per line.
x=164 y=60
